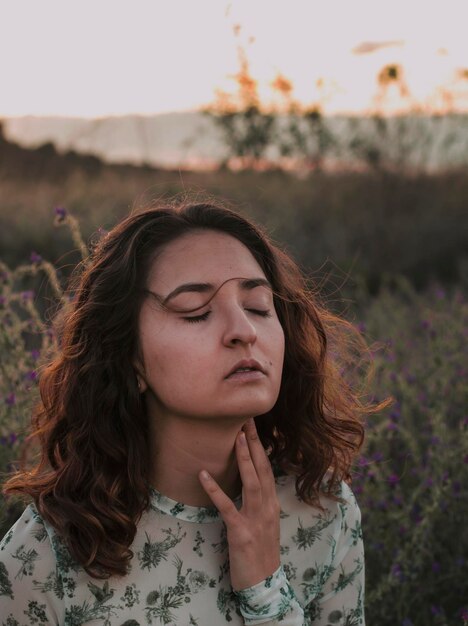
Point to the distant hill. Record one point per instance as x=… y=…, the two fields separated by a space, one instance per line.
x=192 y=139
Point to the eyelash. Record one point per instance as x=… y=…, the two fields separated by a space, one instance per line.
x=202 y=318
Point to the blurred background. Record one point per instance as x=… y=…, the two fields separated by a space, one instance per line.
x=342 y=128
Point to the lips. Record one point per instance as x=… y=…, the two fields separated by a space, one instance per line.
x=251 y=364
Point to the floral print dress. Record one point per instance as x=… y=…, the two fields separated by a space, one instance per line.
x=179 y=573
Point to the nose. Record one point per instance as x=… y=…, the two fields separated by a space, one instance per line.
x=238 y=328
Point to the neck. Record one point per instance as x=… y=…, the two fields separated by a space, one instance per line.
x=181 y=447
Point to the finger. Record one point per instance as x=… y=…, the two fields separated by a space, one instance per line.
x=252 y=498
x=222 y=502
x=260 y=460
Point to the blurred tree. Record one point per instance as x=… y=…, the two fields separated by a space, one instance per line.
x=246 y=129
x=304 y=133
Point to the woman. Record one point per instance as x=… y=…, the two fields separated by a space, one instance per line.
x=185 y=325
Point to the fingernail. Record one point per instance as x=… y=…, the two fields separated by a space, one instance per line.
x=242 y=439
x=205 y=475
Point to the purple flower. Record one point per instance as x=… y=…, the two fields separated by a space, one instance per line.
x=60 y=212
x=35 y=258
x=361 y=327
x=392 y=426
x=464 y=614
x=440 y=293
x=393 y=479
x=13 y=437
x=10 y=400
x=31 y=375
x=465 y=458
x=436 y=610
x=397 y=572
x=2 y=300
x=407 y=622
x=436 y=567
x=425 y=324
x=35 y=354
x=27 y=295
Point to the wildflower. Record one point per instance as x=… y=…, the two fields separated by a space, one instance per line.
x=35 y=258
x=397 y=572
x=361 y=327
x=13 y=438
x=440 y=293
x=465 y=458
x=60 y=213
x=31 y=375
x=425 y=325
x=436 y=567
x=393 y=479
x=407 y=622
x=27 y=295
x=464 y=614
x=436 y=610
x=10 y=400
x=2 y=300
x=35 y=354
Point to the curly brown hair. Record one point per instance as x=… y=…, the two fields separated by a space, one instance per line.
x=91 y=480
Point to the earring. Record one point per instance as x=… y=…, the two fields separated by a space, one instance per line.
x=139 y=384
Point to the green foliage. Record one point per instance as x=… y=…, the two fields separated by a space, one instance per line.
x=411 y=480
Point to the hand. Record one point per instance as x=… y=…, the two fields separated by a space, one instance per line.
x=253 y=532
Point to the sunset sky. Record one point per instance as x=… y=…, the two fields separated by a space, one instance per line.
x=104 y=57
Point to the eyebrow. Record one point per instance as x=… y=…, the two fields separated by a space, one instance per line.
x=246 y=285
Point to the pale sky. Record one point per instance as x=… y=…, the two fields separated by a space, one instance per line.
x=111 y=57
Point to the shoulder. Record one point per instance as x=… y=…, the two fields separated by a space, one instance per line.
x=26 y=544
x=342 y=518
x=29 y=580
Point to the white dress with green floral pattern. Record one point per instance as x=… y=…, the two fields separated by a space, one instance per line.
x=180 y=571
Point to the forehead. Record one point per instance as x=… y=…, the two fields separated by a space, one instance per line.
x=209 y=255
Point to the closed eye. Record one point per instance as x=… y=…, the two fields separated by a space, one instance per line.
x=266 y=313
x=204 y=316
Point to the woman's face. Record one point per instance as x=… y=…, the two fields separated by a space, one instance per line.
x=187 y=358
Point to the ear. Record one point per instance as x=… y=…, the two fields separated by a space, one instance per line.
x=142 y=386
x=141 y=381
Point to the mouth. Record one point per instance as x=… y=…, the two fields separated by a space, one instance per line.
x=247 y=367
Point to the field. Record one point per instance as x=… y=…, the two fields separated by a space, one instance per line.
x=389 y=253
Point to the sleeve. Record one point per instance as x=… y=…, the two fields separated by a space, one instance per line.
x=29 y=586
x=341 y=600
x=271 y=601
